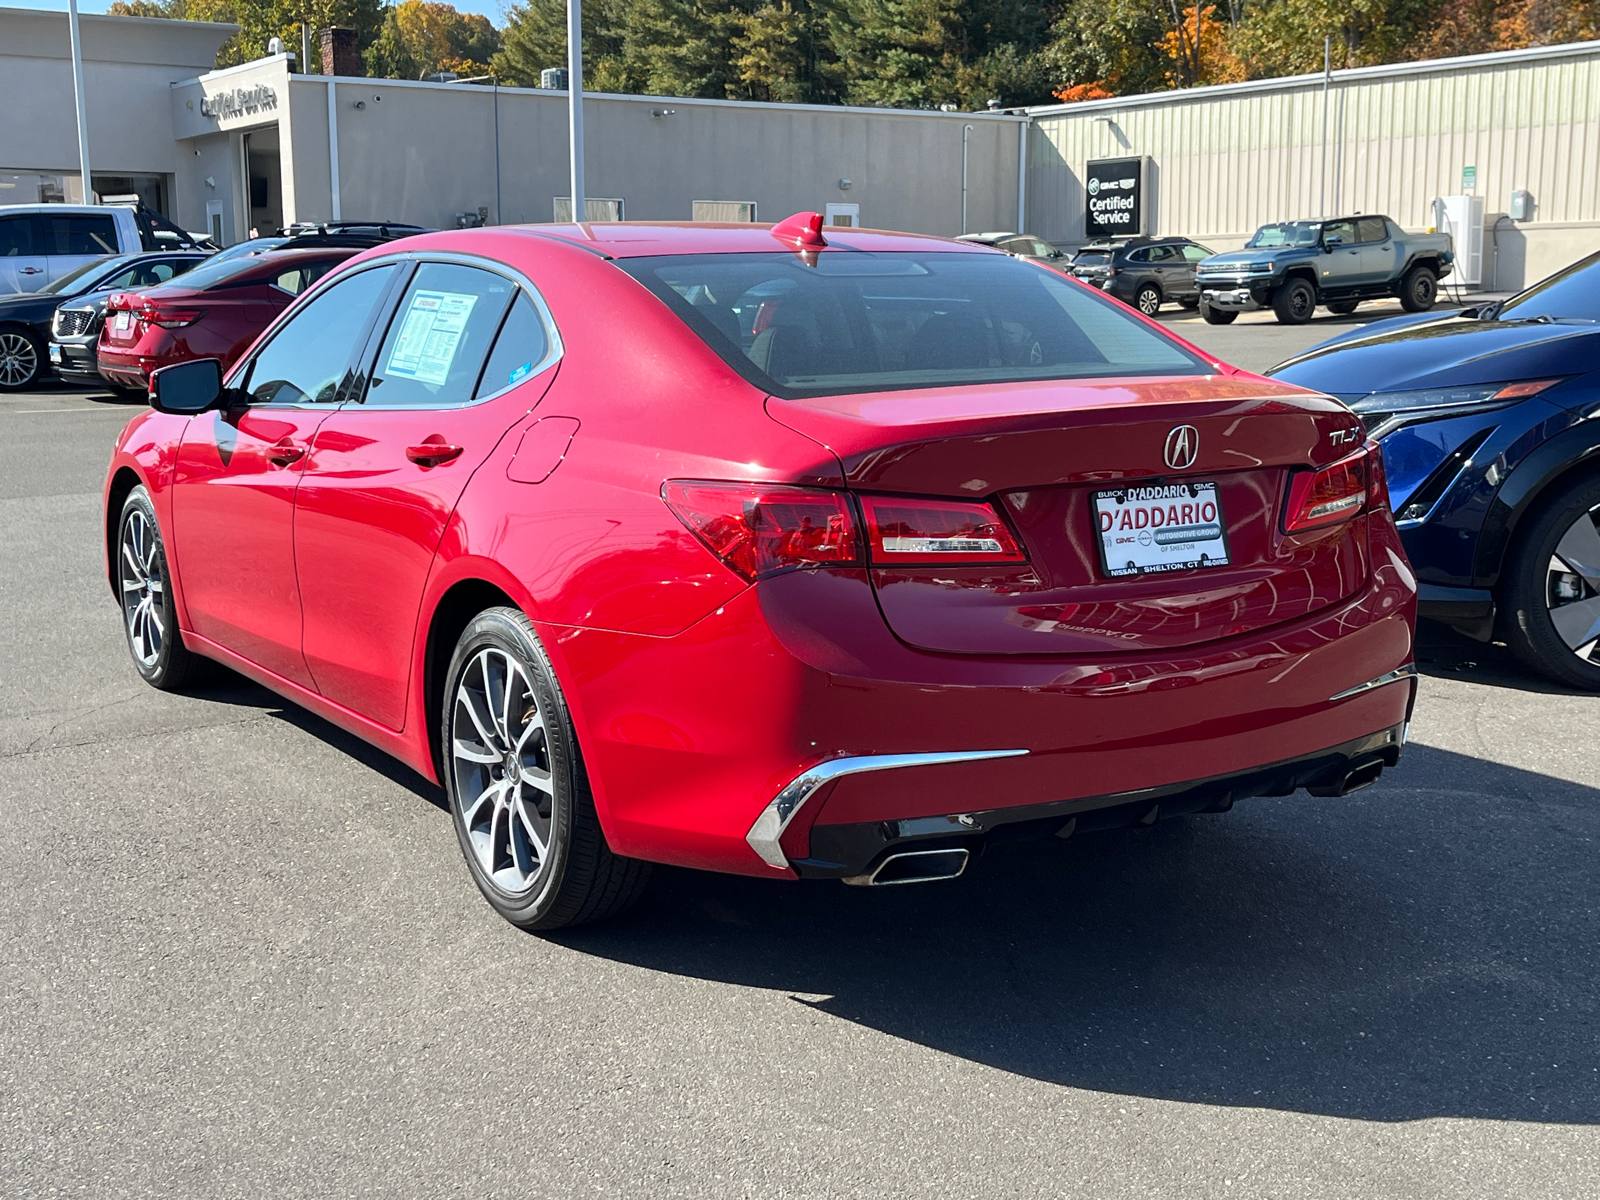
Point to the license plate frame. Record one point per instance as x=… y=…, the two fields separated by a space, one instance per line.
x=122 y=321
x=1139 y=548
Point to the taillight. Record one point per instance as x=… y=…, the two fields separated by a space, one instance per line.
x=912 y=531
x=169 y=318
x=1338 y=491
x=762 y=529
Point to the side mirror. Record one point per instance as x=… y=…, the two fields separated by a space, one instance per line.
x=1329 y=243
x=186 y=388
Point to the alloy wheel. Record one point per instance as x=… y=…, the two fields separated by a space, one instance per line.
x=1149 y=301
x=1572 y=587
x=19 y=359
x=500 y=754
x=142 y=589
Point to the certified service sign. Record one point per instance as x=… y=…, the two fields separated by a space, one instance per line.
x=1115 y=188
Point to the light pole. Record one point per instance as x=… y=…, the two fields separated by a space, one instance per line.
x=83 y=112
x=575 y=104
x=966 y=132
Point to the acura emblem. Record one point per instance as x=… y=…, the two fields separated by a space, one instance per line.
x=1183 y=443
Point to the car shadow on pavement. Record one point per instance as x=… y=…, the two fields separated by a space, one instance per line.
x=1446 y=654
x=1425 y=948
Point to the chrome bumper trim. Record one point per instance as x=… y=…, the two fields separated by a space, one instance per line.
x=1409 y=671
x=774 y=819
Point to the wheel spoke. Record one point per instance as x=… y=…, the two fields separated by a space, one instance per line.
x=465 y=700
x=492 y=792
x=1579 y=548
x=131 y=556
x=475 y=754
x=1578 y=623
x=535 y=725
x=537 y=777
x=536 y=827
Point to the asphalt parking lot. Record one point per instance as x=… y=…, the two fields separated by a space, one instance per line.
x=240 y=956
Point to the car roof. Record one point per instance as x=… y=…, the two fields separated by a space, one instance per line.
x=642 y=239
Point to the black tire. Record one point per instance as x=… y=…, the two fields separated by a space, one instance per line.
x=22 y=359
x=128 y=395
x=1295 y=302
x=1532 y=585
x=573 y=878
x=149 y=614
x=1192 y=303
x=1419 y=289
x=1342 y=307
x=1148 y=299
x=1218 y=316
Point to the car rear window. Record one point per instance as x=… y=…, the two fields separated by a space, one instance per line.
x=856 y=322
x=215 y=271
x=1091 y=258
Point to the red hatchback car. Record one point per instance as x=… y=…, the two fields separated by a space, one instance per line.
x=746 y=551
x=215 y=311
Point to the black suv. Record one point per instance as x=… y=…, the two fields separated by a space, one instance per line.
x=1143 y=272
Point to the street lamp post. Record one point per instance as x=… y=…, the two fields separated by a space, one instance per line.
x=83 y=112
x=575 y=104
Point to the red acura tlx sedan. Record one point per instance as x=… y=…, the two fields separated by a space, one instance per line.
x=760 y=551
x=214 y=311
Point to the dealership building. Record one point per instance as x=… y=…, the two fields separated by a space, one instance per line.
x=1512 y=138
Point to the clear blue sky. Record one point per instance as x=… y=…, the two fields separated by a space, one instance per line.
x=489 y=8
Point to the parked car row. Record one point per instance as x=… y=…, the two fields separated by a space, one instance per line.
x=1290 y=267
x=111 y=318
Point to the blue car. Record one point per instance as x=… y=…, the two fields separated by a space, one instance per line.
x=1488 y=424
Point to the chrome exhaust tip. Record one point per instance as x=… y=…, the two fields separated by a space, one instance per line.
x=1353 y=780
x=913 y=866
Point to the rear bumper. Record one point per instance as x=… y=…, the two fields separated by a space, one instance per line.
x=854 y=852
x=689 y=739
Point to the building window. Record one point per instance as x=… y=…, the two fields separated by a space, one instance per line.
x=594 y=209
x=48 y=187
x=724 y=210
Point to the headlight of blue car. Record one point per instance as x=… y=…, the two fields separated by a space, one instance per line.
x=1384 y=412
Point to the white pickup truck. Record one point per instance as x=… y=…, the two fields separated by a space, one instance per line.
x=40 y=243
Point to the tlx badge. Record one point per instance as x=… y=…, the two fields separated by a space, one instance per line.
x=1183 y=443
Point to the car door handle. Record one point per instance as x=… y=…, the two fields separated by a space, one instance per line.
x=284 y=453
x=30 y=270
x=432 y=454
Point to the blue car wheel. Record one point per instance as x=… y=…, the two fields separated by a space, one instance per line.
x=1553 y=588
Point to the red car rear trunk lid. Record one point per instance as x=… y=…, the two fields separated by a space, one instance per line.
x=1041 y=452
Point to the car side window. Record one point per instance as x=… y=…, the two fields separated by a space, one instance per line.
x=1139 y=256
x=1345 y=231
x=1163 y=254
x=79 y=233
x=1195 y=254
x=439 y=336
x=140 y=275
x=1372 y=229
x=522 y=344
x=306 y=360
x=297 y=279
x=1043 y=249
x=16 y=237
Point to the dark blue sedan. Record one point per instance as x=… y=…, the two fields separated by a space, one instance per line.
x=1489 y=431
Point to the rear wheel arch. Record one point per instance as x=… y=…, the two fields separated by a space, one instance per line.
x=122 y=484
x=462 y=602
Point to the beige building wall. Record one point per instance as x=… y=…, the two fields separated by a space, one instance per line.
x=1228 y=159
x=425 y=152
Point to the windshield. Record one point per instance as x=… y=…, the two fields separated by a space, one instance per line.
x=214 y=271
x=859 y=322
x=1288 y=233
x=74 y=282
x=1573 y=293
